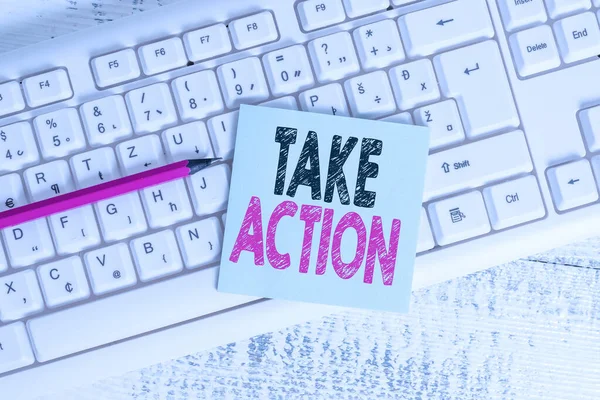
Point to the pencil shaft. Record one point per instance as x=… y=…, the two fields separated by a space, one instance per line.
x=93 y=194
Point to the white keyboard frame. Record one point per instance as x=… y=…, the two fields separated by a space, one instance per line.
x=548 y=106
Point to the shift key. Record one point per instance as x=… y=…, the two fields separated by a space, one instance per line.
x=476 y=164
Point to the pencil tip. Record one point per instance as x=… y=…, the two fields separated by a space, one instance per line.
x=199 y=164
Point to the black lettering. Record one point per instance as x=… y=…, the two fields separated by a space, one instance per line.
x=17 y=233
x=148 y=247
x=285 y=137
x=193 y=233
x=156 y=196
x=308 y=177
x=39 y=176
x=366 y=169
x=63 y=220
x=335 y=173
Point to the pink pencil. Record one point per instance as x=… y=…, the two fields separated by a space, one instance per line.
x=103 y=191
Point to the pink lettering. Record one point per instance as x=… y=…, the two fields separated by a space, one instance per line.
x=310 y=215
x=252 y=242
x=278 y=260
x=354 y=221
x=387 y=259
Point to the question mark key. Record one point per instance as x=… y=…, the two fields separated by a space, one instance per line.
x=326 y=53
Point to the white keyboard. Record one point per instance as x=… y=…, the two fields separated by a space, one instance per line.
x=508 y=89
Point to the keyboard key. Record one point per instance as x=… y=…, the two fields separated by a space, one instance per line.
x=115 y=68
x=166 y=204
x=459 y=218
x=370 y=96
x=253 y=30
x=243 y=82
x=328 y=99
x=106 y=120
x=515 y=202
x=288 y=70
x=144 y=310
x=208 y=42
x=333 y=57
x=379 y=45
x=121 y=217
x=95 y=167
x=16 y=350
x=59 y=133
x=443 y=121
x=140 y=154
x=476 y=78
x=402 y=2
x=13 y=194
x=156 y=255
x=590 y=124
x=151 y=108
x=476 y=164
x=518 y=15
x=11 y=98
x=19 y=296
x=222 y=133
x=316 y=14
x=401 y=118
x=425 y=241
x=197 y=95
x=63 y=282
x=17 y=147
x=49 y=180
x=285 y=103
x=358 y=8
x=534 y=50
x=414 y=84
x=578 y=37
x=210 y=189
x=47 y=88
x=187 y=142
x=162 y=56
x=572 y=185
x=443 y=27
x=110 y=269
x=3 y=261
x=200 y=242
x=558 y=8
x=74 y=230
x=28 y=243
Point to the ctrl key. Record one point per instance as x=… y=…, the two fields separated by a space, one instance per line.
x=15 y=350
x=572 y=185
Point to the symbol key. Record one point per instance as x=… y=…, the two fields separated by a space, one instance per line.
x=288 y=70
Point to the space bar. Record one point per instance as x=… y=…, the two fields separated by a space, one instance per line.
x=128 y=314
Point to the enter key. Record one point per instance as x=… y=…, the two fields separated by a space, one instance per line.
x=476 y=164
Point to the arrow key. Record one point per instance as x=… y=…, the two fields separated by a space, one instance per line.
x=63 y=282
x=572 y=185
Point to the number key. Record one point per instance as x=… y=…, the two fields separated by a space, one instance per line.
x=17 y=147
x=243 y=81
x=59 y=133
x=198 y=95
x=151 y=108
x=288 y=70
x=106 y=120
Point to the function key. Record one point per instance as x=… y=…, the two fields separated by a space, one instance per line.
x=47 y=88
x=207 y=42
x=522 y=14
x=115 y=68
x=534 y=50
x=357 y=8
x=578 y=37
x=559 y=8
x=11 y=99
x=162 y=56
x=316 y=14
x=253 y=30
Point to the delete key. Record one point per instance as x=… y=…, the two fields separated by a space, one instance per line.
x=323 y=209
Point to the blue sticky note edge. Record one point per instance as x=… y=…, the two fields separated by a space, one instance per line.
x=253 y=173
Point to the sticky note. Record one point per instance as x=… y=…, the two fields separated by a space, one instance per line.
x=323 y=209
